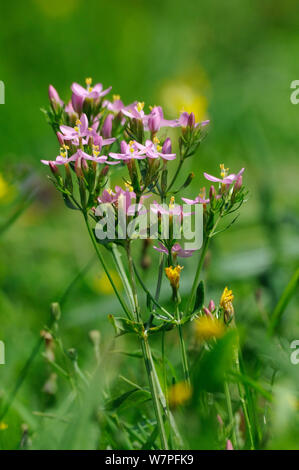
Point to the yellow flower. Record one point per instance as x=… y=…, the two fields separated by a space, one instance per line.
x=3 y=426
x=173 y=274
x=226 y=302
x=179 y=393
x=101 y=284
x=207 y=328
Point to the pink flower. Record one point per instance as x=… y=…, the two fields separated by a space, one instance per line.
x=154 y=150
x=135 y=111
x=225 y=178
x=128 y=151
x=188 y=120
x=124 y=198
x=79 y=131
x=175 y=250
x=155 y=120
x=80 y=94
x=200 y=199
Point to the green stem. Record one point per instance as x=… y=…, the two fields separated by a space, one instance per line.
x=149 y=364
x=184 y=356
x=122 y=273
x=175 y=175
x=154 y=391
x=244 y=405
x=197 y=274
x=230 y=414
x=101 y=259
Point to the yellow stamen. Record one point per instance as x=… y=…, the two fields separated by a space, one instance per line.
x=156 y=140
x=173 y=274
x=76 y=128
x=172 y=202
x=129 y=186
x=140 y=106
x=78 y=122
x=116 y=97
x=88 y=81
x=223 y=171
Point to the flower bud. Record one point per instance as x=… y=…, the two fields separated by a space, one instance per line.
x=107 y=126
x=54 y=98
x=212 y=193
x=154 y=121
x=77 y=103
x=238 y=184
x=78 y=168
x=211 y=306
x=53 y=169
x=173 y=274
x=208 y=312
x=60 y=139
x=191 y=120
x=167 y=147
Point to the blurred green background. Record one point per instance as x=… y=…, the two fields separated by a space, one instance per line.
x=231 y=62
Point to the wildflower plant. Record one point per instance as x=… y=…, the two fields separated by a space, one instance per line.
x=97 y=135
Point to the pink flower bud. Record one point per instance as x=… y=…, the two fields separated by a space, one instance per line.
x=212 y=193
x=167 y=147
x=105 y=170
x=211 y=306
x=53 y=168
x=54 y=98
x=60 y=138
x=191 y=120
x=238 y=183
x=78 y=168
x=154 y=121
x=207 y=312
x=107 y=126
x=77 y=103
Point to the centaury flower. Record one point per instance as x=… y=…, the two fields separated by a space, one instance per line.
x=225 y=177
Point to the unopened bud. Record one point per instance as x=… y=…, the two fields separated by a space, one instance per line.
x=207 y=312
x=78 y=168
x=167 y=147
x=238 y=183
x=77 y=103
x=60 y=139
x=211 y=306
x=54 y=98
x=212 y=193
x=72 y=354
x=107 y=126
x=191 y=120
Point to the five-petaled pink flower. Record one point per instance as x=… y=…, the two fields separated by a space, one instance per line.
x=80 y=94
x=128 y=151
x=175 y=250
x=225 y=177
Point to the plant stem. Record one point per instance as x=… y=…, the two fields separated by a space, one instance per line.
x=102 y=261
x=122 y=273
x=197 y=274
x=175 y=175
x=230 y=414
x=184 y=355
x=149 y=364
x=244 y=405
x=151 y=378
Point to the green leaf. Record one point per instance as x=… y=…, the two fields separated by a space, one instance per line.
x=200 y=297
x=128 y=399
